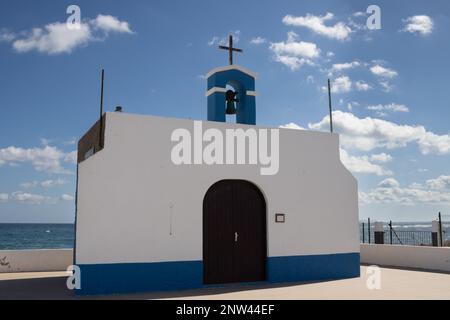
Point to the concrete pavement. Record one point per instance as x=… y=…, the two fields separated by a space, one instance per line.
x=395 y=284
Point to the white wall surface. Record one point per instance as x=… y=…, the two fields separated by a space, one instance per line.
x=135 y=205
x=35 y=260
x=429 y=258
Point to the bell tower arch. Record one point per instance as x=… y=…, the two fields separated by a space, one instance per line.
x=222 y=100
x=244 y=96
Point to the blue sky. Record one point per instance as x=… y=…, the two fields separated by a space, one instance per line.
x=390 y=87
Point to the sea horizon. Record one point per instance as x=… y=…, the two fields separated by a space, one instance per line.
x=29 y=236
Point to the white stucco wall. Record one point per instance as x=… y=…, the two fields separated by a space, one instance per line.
x=135 y=205
x=35 y=260
x=428 y=258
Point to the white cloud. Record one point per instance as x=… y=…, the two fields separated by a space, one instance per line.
x=293 y=47
x=294 y=53
x=46 y=184
x=29 y=184
x=435 y=144
x=383 y=72
x=215 y=40
x=359 y=14
x=4 y=197
x=352 y=104
x=362 y=86
x=340 y=85
x=109 y=23
x=392 y=107
x=362 y=164
x=6 y=36
x=54 y=38
x=57 y=38
x=357 y=164
x=30 y=198
x=345 y=66
x=386 y=86
x=420 y=24
x=389 y=183
x=293 y=63
x=33 y=199
x=440 y=183
x=70 y=142
x=67 y=197
x=415 y=185
x=292 y=126
x=71 y=157
x=310 y=79
x=390 y=191
x=45 y=142
x=369 y=133
x=258 y=40
x=330 y=54
x=381 y=157
x=46 y=159
x=52 y=183
x=339 y=31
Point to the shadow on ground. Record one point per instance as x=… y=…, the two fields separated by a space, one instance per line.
x=54 y=288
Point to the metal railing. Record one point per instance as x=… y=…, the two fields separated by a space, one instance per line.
x=405 y=237
x=409 y=238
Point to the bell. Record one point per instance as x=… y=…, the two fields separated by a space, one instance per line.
x=230 y=97
x=231 y=107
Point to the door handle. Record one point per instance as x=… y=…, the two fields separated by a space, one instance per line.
x=236 y=235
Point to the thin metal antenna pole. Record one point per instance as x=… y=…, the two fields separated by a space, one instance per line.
x=100 y=142
x=329 y=106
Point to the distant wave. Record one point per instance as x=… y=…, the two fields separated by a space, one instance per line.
x=412 y=226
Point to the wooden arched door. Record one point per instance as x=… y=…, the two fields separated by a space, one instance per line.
x=234 y=233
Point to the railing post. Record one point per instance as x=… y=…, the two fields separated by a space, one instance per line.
x=435 y=235
x=379 y=233
x=368 y=227
x=441 y=240
x=363 y=231
x=390 y=231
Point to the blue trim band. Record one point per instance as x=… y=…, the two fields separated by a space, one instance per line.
x=140 y=277
x=183 y=275
x=313 y=267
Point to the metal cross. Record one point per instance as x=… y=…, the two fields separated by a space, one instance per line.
x=230 y=49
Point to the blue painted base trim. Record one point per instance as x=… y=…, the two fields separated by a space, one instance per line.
x=140 y=277
x=182 y=275
x=313 y=267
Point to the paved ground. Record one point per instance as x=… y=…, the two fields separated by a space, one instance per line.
x=395 y=284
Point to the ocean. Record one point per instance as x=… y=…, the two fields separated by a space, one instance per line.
x=58 y=236
x=36 y=236
x=410 y=233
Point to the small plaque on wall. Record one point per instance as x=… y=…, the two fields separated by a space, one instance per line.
x=280 y=217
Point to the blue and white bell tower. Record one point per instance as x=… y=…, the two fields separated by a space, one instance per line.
x=219 y=97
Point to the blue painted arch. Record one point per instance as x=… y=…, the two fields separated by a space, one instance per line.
x=243 y=82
